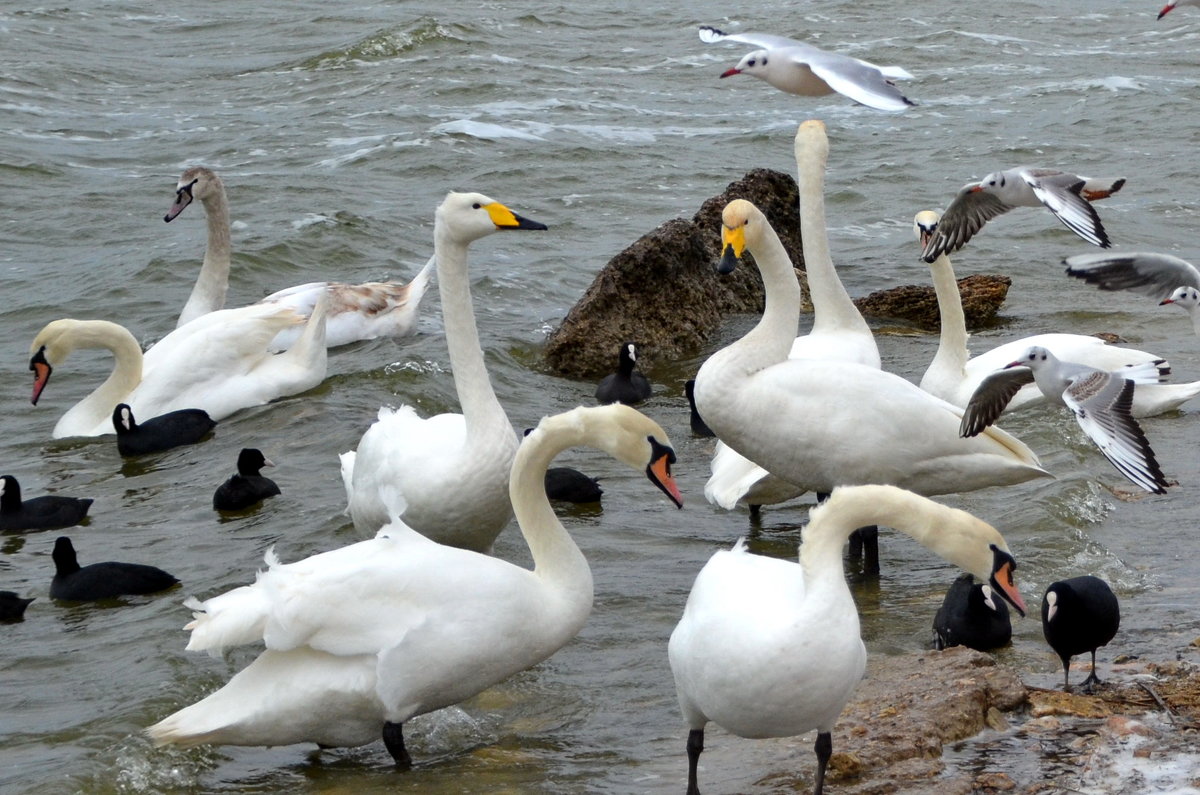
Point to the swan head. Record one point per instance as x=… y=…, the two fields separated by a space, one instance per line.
x=1001 y=579
x=470 y=216
x=754 y=64
x=1187 y=297
x=197 y=182
x=49 y=347
x=619 y=430
x=924 y=225
x=741 y=225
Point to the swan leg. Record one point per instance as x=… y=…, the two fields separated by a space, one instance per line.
x=824 y=749
x=695 y=744
x=864 y=548
x=393 y=740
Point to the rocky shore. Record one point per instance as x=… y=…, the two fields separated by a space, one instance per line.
x=957 y=723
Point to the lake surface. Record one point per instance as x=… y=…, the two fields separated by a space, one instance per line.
x=338 y=128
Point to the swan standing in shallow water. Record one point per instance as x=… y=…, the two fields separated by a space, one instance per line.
x=356 y=311
x=838 y=331
x=362 y=638
x=819 y=424
x=219 y=363
x=769 y=648
x=452 y=469
x=953 y=375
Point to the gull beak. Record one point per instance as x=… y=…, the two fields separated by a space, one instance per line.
x=735 y=71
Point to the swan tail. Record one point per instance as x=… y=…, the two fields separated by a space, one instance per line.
x=416 y=288
x=1153 y=399
x=234 y=618
x=1019 y=450
x=309 y=352
x=1151 y=372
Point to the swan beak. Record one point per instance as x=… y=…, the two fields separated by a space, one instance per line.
x=505 y=218
x=735 y=71
x=659 y=471
x=183 y=197
x=733 y=244
x=1002 y=580
x=41 y=373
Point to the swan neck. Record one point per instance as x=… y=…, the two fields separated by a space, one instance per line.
x=953 y=534
x=475 y=395
x=771 y=339
x=952 y=353
x=97 y=407
x=556 y=557
x=208 y=294
x=832 y=307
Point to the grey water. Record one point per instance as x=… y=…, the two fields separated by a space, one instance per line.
x=339 y=127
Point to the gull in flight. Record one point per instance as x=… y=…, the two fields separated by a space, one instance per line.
x=1162 y=276
x=1099 y=399
x=798 y=68
x=1068 y=196
x=1173 y=3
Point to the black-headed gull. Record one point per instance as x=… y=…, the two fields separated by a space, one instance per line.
x=1068 y=196
x=1099 y=399
x=1173 y=3
x=798 y=68
x=1162 y=276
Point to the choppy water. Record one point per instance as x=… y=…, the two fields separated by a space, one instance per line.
x=338 y=128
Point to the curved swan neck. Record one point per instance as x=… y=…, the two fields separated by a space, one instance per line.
x=772 y=337
x=832 y=307
x=479 y=405
x=952 y=353
x=954 y=535
x=208 y=295
x=556 y=557
x=126 y=374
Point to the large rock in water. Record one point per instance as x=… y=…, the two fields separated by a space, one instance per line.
x=918 y=304
x=664 y=293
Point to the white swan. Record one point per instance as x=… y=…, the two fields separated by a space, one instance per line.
x=954 y=376
x=768 y=648
x=220 y=363
x=362 y=638
x=356 y=311
x=838 y=332
x=452 y=469
x=819 y=424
